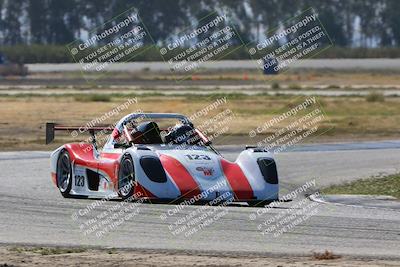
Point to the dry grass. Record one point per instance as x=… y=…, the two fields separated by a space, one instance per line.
x=387 y=186
x=22 y=119
x=375 y=97
x=48 y=250
x=307 y=78
x=327 y=255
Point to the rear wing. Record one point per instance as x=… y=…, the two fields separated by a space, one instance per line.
x=51 y=127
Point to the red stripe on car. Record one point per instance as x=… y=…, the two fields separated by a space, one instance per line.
x=141 y=192
x=237 y=180
x=54 y=178
x=182 y=178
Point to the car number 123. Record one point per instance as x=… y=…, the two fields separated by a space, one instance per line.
x=198 y=157
x=79 y=180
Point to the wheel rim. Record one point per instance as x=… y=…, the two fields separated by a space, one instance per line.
x=64 y=173
x=127 y=177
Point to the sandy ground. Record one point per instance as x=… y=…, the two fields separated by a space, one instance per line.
x=23 y=256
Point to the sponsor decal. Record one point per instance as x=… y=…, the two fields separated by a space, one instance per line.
x=206 y=171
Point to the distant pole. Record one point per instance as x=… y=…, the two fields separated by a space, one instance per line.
x=258 y=20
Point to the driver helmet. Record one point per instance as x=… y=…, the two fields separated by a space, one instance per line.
x=182 y=134
x=149 y=133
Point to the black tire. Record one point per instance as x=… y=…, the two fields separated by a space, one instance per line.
x=126 y=177
x=64 y=174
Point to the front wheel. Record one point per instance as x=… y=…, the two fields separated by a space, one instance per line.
x=64 y=174
x=126 y=177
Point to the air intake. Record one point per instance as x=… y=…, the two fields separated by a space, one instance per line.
x=268 y=170
x=153 y=169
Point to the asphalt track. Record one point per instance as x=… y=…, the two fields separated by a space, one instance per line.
x=33 y=212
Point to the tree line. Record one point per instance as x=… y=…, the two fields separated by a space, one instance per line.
x=351 y=23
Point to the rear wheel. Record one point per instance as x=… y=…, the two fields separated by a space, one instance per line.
x=126 y=177
x=64 y=174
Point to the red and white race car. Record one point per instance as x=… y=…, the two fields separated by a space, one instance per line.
x=140 y=159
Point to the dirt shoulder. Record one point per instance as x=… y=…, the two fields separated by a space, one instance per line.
x=57 y=256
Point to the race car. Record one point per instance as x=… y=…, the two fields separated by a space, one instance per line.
x=159 y=157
